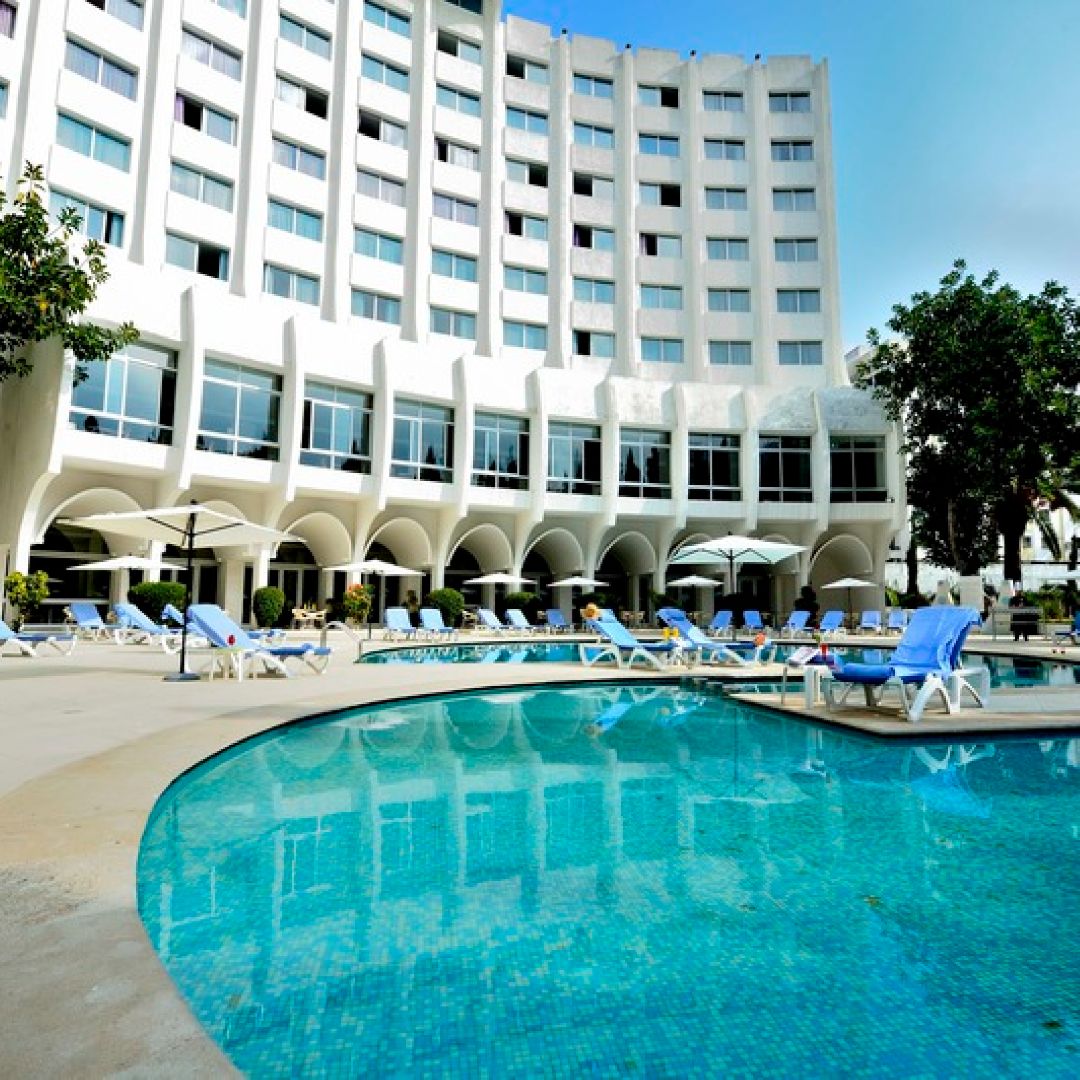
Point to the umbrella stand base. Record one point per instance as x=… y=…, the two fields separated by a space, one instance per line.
x=182 y=676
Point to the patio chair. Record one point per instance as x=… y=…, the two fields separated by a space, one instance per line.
x=556 y=621
x=431 y=622
x=897 y=621
x=398 y=624
x=1070 y=636
x=870 y=622
x=695 y=640
x=88 y=620
x=133 y=624
x=488 y=620
x=831 y=623
x=172 y=614
x=721 y=622
x=28 y=642
x=796 y=623
x=926 y=661
x=222 y=633
x=752 y=621
x=621 y=646
x=516 y=618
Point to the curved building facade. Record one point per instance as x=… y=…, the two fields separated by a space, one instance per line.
x=430 y=282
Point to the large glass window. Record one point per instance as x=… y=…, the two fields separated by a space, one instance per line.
x=593 y=86
x=452 y=264
x=523 y=279
x=129 y=11
x=574 y=462
x=195 y=184
x=593 y=135
x=656 y=350
x=500 y=451
x=796 y=250
x=372 y=126
x=732 y=353
x=523 y=335
x=592 y=238
x=594 y=343
x=200 y=256
x=298 y=158
x=423 y=443
x=369 y=305
x=663 y=297
x=337 y=428
x=452 y=208
x=371 y=67
x=527 y=172
x=384 y=188
x=644 y=464
x=240 y=409
x=464 y=157
x=312 y=101
x=97 y=222
x=8 y=13
x=594 y=187
x=594 y=291
x=858 y=468
x=90 y=64
x=523 y=120
x=290 y=284
x=789 y=101
x=713 y=473
x=453 y=45
x=794 y=199
x=375 y=245
x=659 y=145
x=130 y=396
x=459 y=324
x=92 y=142
x=390 y=20
x=210 y=53
x=722 y=101
x=727 y=249
x=664 y=247
x=792 y=150
x=722 y=198
x=800 y=353
x=725 y=150
x=798 y=301
x=729 y=299
x=218 y=125
x=294 y=219
x=784 y=468
x=307 y=37
x=518 y=67
x=450 y=97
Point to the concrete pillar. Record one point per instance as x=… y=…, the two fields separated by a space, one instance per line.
x=231 y=586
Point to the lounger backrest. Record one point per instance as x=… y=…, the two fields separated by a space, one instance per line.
x=6 y=633
x=615 y=632
x=397 y=618
x=934 y=637
x=678 y=620
x=218 y=628
x=870 y=620
x=832 y=620
x=721 y=620
x=556 y=618
x=797 y=620
x=431 y=619
x=86 y=614
x=752 y=619
x=516 y=618
x=130 y=615
x=489 y=619
x=897 y=619
x=172 y=614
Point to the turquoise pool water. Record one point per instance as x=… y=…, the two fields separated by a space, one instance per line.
x=602 y=881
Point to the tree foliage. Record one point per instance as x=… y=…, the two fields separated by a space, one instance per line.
x=984 y=382
x=25 y=592
x=47 y=281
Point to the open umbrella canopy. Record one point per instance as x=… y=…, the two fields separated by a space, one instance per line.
x=694 y=581
x=128 y=562
x=183 y=525
x=376 y=566
x=850 y=583
x=499 y=579
x=733 y=549
x=579 y=583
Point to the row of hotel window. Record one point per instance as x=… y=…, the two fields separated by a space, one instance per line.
x=132 y=396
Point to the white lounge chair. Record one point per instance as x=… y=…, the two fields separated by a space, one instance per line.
x=29 y=641
x=432 y=623
x=133 y=624
x=222 y=633
x=622 y=647
x=516 y=618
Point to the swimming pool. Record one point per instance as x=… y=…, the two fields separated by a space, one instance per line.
x=607 y=881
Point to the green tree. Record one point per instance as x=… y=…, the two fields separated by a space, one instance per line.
x=47 y=282
x=25 y=592
x=984 y=383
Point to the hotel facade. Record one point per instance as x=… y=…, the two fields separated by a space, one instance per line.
x=429 y=282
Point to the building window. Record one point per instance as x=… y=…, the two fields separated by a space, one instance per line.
x=522 y=279
x=369 y=305
x=128 y=11
x=724 y=198
x=376 y=245
x=292 y=219
x=594 y=291
x=93 y=143
x=592 y=238
x=792 y=150
x=454 y=209
x=656 y=350
x=729 y=299
x=500 y=451
x=372 y=126
x=307 y=37
x=664 y=297
x=722 y=101
x=659 y=97
x=91 y=65
x=465 y=157
x=796 y=250
x=7 y=18
x=240 y=409
x=727 y=249
x=459 y=324
x=594 y=343
x=725 y=150
x=713 y=468
x=201 y=256
x=527 y=172
x=204 y=51
x=531 y=228
x=593 y=86
x=452 y=45
x=659 y=145
x=290 y=284
x=800 y=353
x=798 y=301
x=601 y=138
x=336 y=428
x=517 y=67
x=664 y=247
x=452 y=265
x=788 y=102
x=523 y=120
x=449 y=97
x=595 y=187
x=377 y=186
x=858 y=469
x=660 y=194
x=794 y=199
x=784 y=468
x=730 y=353
x=644 y=464
x=194 y=114
x=378 y=15
x=235 y=7
x=423 y=442
x=129 y=396
x=315 y=102
x=97 y=222
x=195 y=184
x=522 y=335
x=299 y=158
x=574 y=459
x=475 y=7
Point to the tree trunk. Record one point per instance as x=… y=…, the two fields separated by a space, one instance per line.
x=1012 y=518
x=912 y=560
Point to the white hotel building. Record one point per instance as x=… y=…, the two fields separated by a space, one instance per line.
x=419 y=281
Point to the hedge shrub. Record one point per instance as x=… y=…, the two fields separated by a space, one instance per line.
x=150 y=597
x=267 y=604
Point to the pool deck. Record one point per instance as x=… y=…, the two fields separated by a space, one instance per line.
x=89 y=743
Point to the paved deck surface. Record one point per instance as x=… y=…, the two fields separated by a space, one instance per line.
x=89 y=743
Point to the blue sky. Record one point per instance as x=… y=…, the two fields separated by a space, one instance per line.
x=955 y=130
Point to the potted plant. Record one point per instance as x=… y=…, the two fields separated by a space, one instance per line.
x=25 y=592
x=356 y=604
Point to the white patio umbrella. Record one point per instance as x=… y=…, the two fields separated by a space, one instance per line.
x=500 y=579
x=128 y=562
x=849 y=583
x=732 y=549
x=183 y=526
x=694 y=581
x=382 y=570
x=579 y=583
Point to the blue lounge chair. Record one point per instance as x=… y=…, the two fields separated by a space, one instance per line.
x=796 y=623
x=1072 y=635
x=431 y=622
x=397 y=623
x=721 y=622
x=556 y=621
x=926 y=661
x=870 y=622
x=620 y=645
x=28 y=642
x=488 y=620
x=752 y=621
x=897 y=620
x=695 y=640
x=516 y=618
x=831 y=622
x=133 y=624
x=221 y=632
x=88 y=620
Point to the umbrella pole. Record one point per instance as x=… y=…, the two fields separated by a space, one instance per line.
x=183 y=675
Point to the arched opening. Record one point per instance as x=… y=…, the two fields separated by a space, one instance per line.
x=844 y=556
x=483 y=549
x=628 y=565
